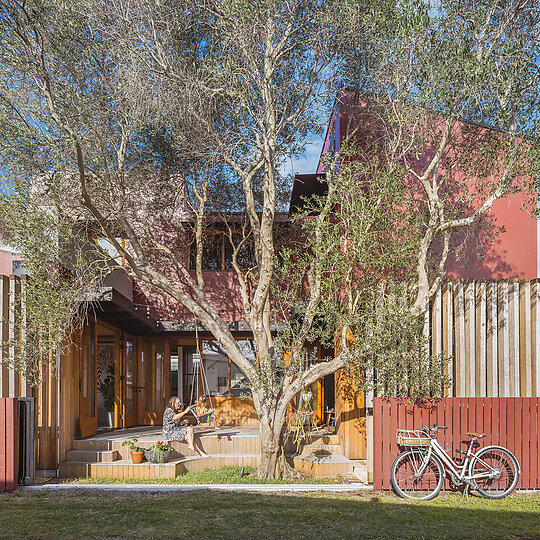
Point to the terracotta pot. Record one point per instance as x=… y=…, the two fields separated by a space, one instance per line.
x=137 y=457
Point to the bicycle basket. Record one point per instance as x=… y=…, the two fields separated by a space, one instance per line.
x=412 y=437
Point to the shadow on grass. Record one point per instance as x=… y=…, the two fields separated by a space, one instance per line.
x=77 y=513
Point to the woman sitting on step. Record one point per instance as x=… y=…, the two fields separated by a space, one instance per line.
x=176 y=429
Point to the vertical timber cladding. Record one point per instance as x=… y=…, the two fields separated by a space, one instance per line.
x=491 y=332
x=13 y=383
x=350 y=413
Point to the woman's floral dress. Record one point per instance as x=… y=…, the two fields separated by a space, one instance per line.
x=172 y=430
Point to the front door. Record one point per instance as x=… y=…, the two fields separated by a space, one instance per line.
x=154 y=379
x=87 y=381
x=129 y=408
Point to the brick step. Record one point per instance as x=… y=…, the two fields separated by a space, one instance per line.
x=92 y=455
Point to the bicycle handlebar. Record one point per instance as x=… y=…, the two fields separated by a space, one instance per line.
x=434 y=428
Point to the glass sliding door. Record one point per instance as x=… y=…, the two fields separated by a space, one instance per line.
x=154 y=383
x=87 y=381
x=129 y=387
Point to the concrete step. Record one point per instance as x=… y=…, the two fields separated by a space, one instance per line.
x=96 y=456
x=360 y=469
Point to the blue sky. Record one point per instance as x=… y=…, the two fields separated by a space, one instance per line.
x=306 y=164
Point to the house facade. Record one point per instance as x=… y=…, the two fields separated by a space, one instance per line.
x=138 y=349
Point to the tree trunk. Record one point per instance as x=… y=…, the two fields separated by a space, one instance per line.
x=273 y=460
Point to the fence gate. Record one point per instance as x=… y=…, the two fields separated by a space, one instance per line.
x=510 y=422
x=9 y=433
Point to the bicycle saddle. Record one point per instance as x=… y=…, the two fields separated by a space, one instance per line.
x=477 y=435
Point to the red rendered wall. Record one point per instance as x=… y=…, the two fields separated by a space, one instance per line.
x=9 y=434
x=512 y=250
x=222 y=289
x=512 y=253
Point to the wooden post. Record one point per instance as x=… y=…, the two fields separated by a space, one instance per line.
x=492 y=369
x=481 y=339
x=469 y=359
x=525 y=341
x=514 y=338
x=536 y=357
x=461 y=353
x=504 y=340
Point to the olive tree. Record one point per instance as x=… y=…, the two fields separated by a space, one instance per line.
x=454 y=97
x=142 y=120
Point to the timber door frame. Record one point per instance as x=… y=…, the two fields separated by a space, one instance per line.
x=154 y=417
x=127 y=418
x=88 y=424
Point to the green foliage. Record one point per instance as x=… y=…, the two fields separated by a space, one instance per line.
x=61 y=274
x=366 y=251
x=160 y=446
x=132 y=443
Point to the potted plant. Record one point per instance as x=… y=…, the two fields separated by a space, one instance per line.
x=137 y=453
x=106 y=387
x=159 y=452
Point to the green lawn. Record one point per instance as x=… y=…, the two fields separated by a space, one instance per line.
x=230 y=474
x=209 y=515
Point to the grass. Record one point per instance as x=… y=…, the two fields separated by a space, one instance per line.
x=214 y=515
x=230 y=474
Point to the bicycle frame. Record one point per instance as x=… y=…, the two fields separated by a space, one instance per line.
x=458 y=471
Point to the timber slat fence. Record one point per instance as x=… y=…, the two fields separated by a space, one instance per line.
x=9 y=455
x=491 y=331
x=510 y=422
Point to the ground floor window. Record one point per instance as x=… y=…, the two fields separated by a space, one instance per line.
x=223 y=377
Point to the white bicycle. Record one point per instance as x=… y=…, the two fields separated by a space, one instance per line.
x=419 y=471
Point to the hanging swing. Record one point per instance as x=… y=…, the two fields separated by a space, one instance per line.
x=207 y=415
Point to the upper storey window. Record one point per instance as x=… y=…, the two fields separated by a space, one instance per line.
x=218 y=252
x=106 y=245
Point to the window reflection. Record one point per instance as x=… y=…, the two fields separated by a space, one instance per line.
x=216 y=367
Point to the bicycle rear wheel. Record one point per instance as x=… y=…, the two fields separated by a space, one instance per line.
x=502 y=468
x=411 y=485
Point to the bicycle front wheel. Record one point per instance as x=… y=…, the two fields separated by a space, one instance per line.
x=496 y=471
x=407 y=481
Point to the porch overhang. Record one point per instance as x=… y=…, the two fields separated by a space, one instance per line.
x=112 y=307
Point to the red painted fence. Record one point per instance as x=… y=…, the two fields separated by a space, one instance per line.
x=9 y=434
x=510 y=422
